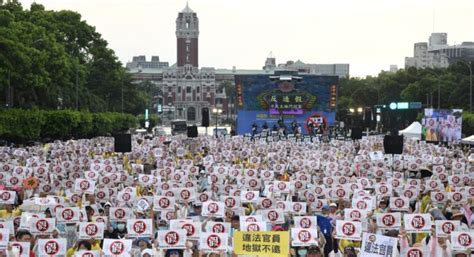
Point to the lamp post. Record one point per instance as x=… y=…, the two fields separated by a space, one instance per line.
x=216 y=111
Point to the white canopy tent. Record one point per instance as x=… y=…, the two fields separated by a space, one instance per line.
x=468 y=140
x=412 y=131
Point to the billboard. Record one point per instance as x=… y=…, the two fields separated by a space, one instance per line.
x=442 y=125
x=304 y=99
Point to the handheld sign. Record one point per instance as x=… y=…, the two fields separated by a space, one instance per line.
x=91 y=230
x=389 y=220
x=193 y=229
x=462 y=240
x=417 y=223
x=445 y=227
x=117 y=247
x=211 y=208
x=42 y=226
x=213 y=242
x=7 y=197
x=84 y=186
x=52 y=247
x=172 y=239
x=87 y=254
x=307 y=222
x=4 y=237
x=218 y=227
x=374 y=245
x=304 y=237
x=140 y=227
x=350 y=230
x=253 y=226
x=68 y=215
x=23 y=248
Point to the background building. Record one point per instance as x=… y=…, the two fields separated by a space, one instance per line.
x=185 y=88
x=436 y=53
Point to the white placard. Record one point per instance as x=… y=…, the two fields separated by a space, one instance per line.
x=214 y=242
x=214 y=209
x=304 y=237
x=389 y=220
x=193 y=229
x=417 y=223
x=68 y=215
x=163 y=203
x=445 y=227
x=415 y=252
x=307 y=222
x=218 y=227
x=399 y=203
x=273 y=216
x=87 y=254
x=374 y=245
x=249 y=196
x=52 y=247
x=297 y=208
x=23 y=248
x=253 y=226
x=139 y=227
x=7 y=197
x=84 y=186
x=462 y=240
x=355 y=214
x=42 y=226
x=350 y=230
x=117 y=247
x=119 y=214
x=253 y=218
x=91 y=230
x=8 y=224
x=172 y=239
x=4 y=237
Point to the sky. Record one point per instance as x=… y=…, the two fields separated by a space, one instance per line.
x=370 y=35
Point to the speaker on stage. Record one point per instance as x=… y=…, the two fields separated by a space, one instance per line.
x=393 y=144
x=192 y=131
x=356 y=133
x=205 y=117
x=122 y=143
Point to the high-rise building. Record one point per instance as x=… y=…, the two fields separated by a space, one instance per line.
x=438 y=54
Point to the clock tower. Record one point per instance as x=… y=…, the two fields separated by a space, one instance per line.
x=187 y=34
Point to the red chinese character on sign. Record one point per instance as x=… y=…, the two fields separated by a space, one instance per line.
x=117 y=248
x=418 y=222
x=51 y=248
x=348 y=229
x=213 y=241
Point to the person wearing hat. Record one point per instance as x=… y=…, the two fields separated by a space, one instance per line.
x=458 y=215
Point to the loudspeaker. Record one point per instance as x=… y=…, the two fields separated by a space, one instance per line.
x=393 y=144
x=205 y=117
x=192 y=131
x=356 y=133
x=123 y=143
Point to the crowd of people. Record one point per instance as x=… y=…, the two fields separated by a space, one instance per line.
x=80 y=198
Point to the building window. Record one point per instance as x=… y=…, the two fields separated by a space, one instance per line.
x=187 y=24
x=188 y=48
x=208 y=89
x=179 y=89
x=187 y=57
x=198 y=89
x=188 y=90
x=198 y=99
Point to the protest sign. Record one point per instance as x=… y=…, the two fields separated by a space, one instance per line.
x=271 y=244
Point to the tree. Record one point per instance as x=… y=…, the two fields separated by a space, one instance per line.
x=50 y=55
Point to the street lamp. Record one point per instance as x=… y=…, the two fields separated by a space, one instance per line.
x=216 y=111
x=359 y=110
